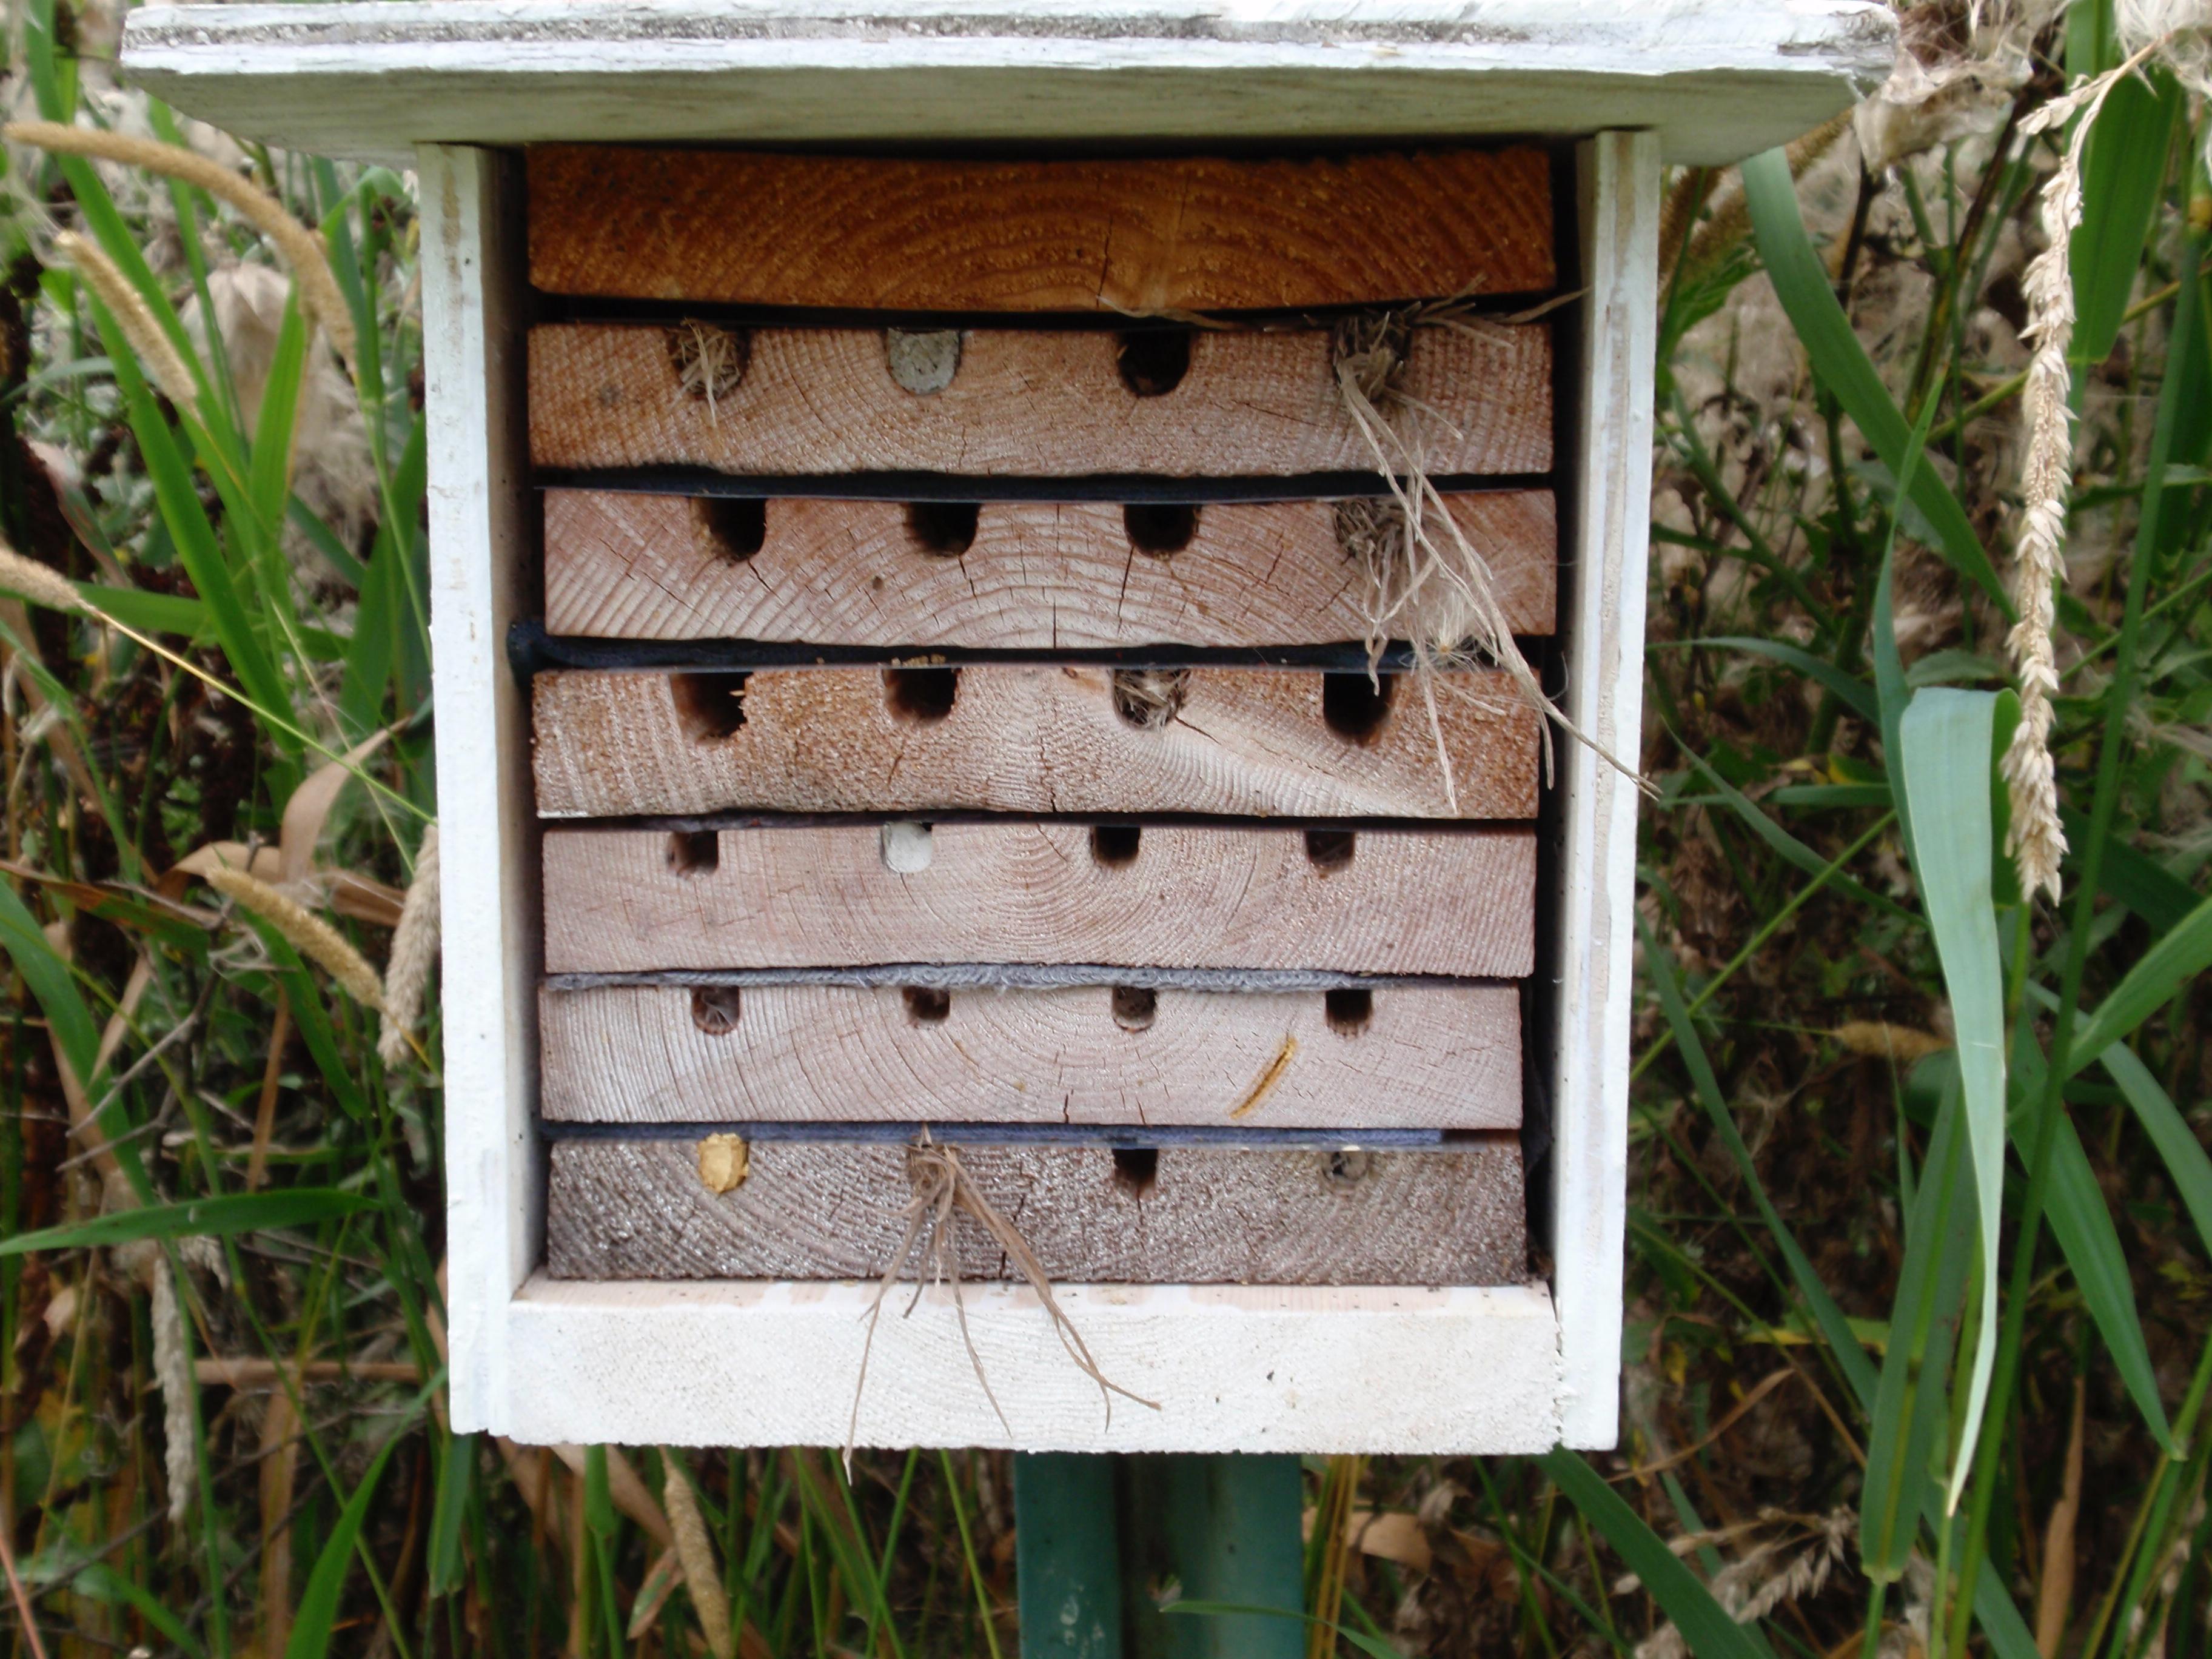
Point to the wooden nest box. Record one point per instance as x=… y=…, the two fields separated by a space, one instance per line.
x=924 y=638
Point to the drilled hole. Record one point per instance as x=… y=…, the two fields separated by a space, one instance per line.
x=1348 y=1009
x=694 y=852
x=1159 y=528
x=1135 y=1007
x=1150 y=698
x=738 y=525
x=1115 y=845
x=1354 y=706
x=709 y=706
x=716 y=1008
x=944 y=528
x=926 y=1004
x=1136 y=1168
x=1153 y=360
x=1329 y=849
x=920 y=696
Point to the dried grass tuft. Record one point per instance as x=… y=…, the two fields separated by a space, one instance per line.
x=300 y=248
x=1432 y=587
x=941 y=1190
x=1151 y=698
x=710 y=362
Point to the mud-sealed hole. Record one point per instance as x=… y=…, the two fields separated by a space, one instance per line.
x=944 y=528
x=921 y=696
x=1136 y=1168
x=1116 y=844
x=1344 y=1169
x=709 y=706
x=710 y=362
x=1153 y=360
x=1348 y=1009
x=694 y=853
x=926 y=1005
x=1160 y=528
x=922 y=361
x=1355 y=706
x=1135 y=1007
x=736 y=525
x=1150 y=698
x=715 y=1009
x=1330 y=850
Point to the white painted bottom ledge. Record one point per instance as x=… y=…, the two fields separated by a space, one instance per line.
x=1235 y=1368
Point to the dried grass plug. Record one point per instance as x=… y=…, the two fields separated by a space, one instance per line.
x=941 y=1189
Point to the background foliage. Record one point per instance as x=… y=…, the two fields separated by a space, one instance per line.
x=253 y=1459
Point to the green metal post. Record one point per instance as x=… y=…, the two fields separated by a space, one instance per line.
x=1067 y=1568
x=1102 y=1542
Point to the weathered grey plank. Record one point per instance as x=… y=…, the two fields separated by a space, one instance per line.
x=1011 y=575
x=1190 y=1216
x=1417 y=1056
x=1021 y=403
x=1026 y=737
x=1456 y=902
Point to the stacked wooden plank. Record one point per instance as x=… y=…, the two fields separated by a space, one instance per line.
x=997 y=747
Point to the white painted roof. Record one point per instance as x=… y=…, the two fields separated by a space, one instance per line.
x=1717 y=79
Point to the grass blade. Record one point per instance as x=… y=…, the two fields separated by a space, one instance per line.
x=1705 y=1624
x=235 y=1212
x=1801 y=282
x=312 y=1626
x=1911 y=1403
x=2184 y=953
x=2186 y=1163
x=1948 y=738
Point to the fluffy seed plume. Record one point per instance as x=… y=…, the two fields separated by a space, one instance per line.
x=301 y=248
x=2036 y=841
x=414 y=954
x=41 y=584
x=308 y=933
x=695 y=1549
x=128 y=307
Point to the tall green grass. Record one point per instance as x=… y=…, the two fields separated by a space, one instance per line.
x=1897 y=1269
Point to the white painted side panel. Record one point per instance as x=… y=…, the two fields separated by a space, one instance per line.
x=479 y=549
x=1717 y=79
x=1234 y=1368
x=1619 y=188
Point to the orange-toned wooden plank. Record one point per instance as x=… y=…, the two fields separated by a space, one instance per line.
x=1410 y=1056
x=1029 y=737
x=1021 y=403
x=1458 y=901
x=1004 y=575
x=1184 y=1215
x=1184 y=234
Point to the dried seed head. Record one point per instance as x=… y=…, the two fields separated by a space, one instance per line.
x=41 y=584
x=155 y=349
x=695 y=1548
x=301 y=248
x=414 y=953
x=308 y=934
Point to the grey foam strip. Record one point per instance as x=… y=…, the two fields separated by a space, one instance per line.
x=1131 y=1136
x=1016 y=976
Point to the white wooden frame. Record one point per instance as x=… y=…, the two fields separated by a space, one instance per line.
x=1372 y=1370
x=1513 y=1369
